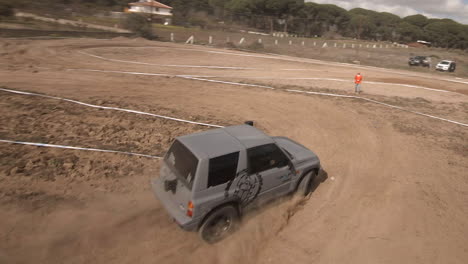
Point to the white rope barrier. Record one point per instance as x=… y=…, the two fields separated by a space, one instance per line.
x=377 y=102
x=78 y=148
x=109 y=108
x=166 y=65
x=270 y=57
x=300 y=91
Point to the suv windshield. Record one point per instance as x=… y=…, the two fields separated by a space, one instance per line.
x=444 y=62
x=183 y=162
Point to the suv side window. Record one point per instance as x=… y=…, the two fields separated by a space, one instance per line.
x=222 y=169
x=265 y=157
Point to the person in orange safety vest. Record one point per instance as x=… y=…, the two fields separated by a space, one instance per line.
x=357 y=81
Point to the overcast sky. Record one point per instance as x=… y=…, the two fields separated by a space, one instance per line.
x=454 y=9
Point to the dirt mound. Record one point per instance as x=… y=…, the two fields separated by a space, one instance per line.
x=118 y=39
x=417 y=45
x=22 y=54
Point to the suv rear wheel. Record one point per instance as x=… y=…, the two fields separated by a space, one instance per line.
x=219 y=224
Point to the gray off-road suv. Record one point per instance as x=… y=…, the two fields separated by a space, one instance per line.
x=208 y=179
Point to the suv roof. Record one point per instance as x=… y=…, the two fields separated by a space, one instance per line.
x=213 y=143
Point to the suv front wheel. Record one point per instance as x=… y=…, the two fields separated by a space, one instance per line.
x=306 y=183
x=219 y=224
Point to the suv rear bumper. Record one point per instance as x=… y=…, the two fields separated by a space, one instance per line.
x=185 y=222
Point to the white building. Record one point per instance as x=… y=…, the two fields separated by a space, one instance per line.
x=150 y=7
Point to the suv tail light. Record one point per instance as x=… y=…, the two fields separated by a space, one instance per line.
x=190 y=209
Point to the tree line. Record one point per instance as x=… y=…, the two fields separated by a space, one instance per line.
x=292 y=16
x=311 y=19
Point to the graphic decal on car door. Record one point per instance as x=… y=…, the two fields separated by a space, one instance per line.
x=247 y=187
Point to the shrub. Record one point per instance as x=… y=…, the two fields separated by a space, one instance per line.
x=256 y=46
x=230 y=45
x=139 y=25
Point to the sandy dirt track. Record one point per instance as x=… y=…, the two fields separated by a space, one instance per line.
x=396 y=184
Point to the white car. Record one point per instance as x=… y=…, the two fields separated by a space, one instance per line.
x=446 y=65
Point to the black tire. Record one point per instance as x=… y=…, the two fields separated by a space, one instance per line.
x=219 y=224
x=304 y=186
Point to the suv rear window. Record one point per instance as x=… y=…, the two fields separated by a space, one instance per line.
x=222 y=169
x=183 y=162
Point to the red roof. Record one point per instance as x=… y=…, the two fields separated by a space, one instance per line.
x=150 y=3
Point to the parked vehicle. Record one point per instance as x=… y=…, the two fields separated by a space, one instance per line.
x=446 y=65
x=419 y=61
x=208 y=179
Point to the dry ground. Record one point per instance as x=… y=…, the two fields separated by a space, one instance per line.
x=397 y=185
x=391 y=57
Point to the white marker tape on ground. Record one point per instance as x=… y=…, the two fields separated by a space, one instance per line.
x=240 y=68
x=336 y=80
x=335 y=95
x=455 y=81
x=133 y=73
x=77 y=148
x=166 y=65
x=286 y=58
x=108 y=108
x=377 y=102
x=299 y=70
x=414 y=86
x=233 y=83
x=304 y=60
x=191 y=77
x=297 y=91
x=327 y=94
x=142 y=73
x=313 y=61
x=299 y=78
x=343 y=80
